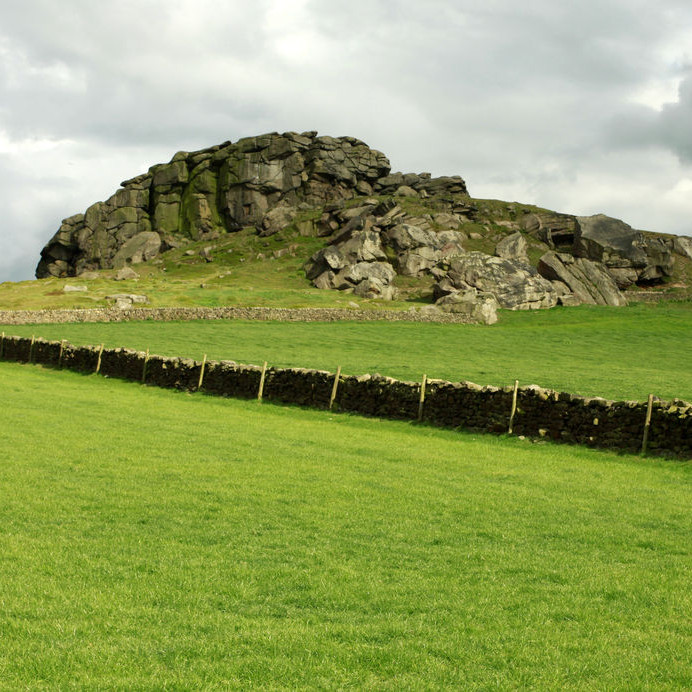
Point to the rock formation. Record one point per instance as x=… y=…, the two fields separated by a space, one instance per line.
x=377 y=225
x=258 y=181
x=371 y=235
x=588 y=282
x=682 y=245
x=515 y=284
x=628 y=254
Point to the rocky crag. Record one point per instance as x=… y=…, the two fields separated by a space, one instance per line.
x=373 y=230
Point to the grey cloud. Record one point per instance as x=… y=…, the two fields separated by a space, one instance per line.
x=668 y=128
x=520 y=99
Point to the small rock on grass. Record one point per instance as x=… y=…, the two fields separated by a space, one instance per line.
x=126 y=273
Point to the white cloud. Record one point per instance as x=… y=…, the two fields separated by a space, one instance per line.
x=657 y=93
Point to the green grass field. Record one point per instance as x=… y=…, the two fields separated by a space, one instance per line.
x=621 y=353
x=158 y=540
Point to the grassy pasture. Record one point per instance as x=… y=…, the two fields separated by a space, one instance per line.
x=153 y=539
x=615 y=353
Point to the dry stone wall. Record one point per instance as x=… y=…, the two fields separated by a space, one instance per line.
x=540 y=412
x=225 y=313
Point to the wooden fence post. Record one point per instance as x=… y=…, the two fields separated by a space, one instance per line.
x=261 y=384
x=647 y=424
x=334 y=388
x=421 y=401
x=201 y=372
x=98 y=360
x=514 y=407
x=144 y=367
x=31 y=347
x=62 y=348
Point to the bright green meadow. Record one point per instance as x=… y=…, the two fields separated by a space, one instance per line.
x=623 y=353
x=152 y=539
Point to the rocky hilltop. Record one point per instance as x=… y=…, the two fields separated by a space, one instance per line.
x=377 y=226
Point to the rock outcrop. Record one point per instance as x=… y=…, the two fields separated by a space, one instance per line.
x=682 y=245
x=629 y=255
x=515 y=284
x=376 y=224
x=587 y=281
x=374 y=244
x=257 y=181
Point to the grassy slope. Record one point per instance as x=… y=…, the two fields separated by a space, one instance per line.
x=616 y=353
x=151 y=539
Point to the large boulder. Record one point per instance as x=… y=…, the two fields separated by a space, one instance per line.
x=514 y=284
x=404 y=236
x=381 y=271
x=683 y=246
x=348 y=249
x=618 y=246
x=478 y=307
x=588 y=281
x=277 y=219
x=365 y=279
x=140 y=248
x=556 y=230
x=361 y=246
x=418 y=249
x=374 y=288
x=513 y=246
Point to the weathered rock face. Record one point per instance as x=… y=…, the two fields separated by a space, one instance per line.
x=588 y=282
x=477 y=307
x=556 y=230
x=513 y=247
x=257 y=181
x=683 y=246
x=371 y=235
x=619 y=247
x=514 y=284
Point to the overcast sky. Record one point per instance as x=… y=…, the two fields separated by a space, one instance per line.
x=582 y=107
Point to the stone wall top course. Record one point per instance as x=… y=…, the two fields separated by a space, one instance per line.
x=9 y=317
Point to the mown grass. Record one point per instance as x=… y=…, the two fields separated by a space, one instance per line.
x=615 y=353
x=156 y=540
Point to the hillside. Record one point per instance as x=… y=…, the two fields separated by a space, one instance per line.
x=275 y=217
